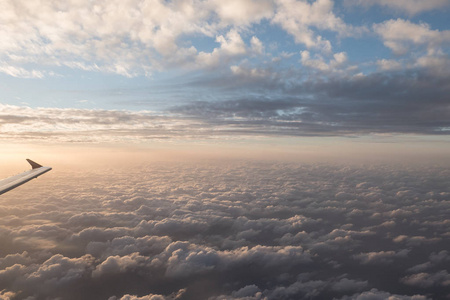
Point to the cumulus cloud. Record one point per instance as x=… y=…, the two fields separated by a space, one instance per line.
x=399 y=35
x=382 y=257
x=133 y=38
x=231 y=46
x=334 y=64
x=13 y=259
x=242 y=13
x=128 y=38
x=418 y=47
x=240 y=230
x=298 y=18
x=4 y=295
x=428 y=280
x=172 y=296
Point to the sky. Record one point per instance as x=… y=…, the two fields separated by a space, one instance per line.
x=220 y=150
x=185 y=71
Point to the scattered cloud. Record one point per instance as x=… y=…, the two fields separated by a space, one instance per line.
x=298 y=18
x=400 y=35
x=338 y=60
x=231 y=46
x=134 y=38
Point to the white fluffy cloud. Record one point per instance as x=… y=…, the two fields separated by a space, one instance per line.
x=298 y=18
x=419 y=43
x=231 y=46
x=144 y=37
x=336 y=63
x=399 y=35
x=242 y=12
x=138 y=37
x=125 y=37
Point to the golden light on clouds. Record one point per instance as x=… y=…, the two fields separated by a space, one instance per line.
x=411 y=150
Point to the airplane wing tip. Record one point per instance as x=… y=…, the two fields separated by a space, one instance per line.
x=34 y=165
x=12 y=182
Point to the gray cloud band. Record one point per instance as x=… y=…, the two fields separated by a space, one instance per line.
x=411 y=103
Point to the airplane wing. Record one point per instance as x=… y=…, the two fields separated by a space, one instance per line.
x=14 y=181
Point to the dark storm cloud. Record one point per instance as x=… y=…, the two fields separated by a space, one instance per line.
x=229 y=231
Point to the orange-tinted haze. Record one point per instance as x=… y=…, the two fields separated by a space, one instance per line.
x=305 y=150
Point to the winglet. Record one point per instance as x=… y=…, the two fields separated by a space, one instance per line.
x=33 y=164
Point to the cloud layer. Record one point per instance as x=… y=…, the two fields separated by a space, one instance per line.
x=235 y=230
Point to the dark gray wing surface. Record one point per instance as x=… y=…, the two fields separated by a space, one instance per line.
x=12 y=182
